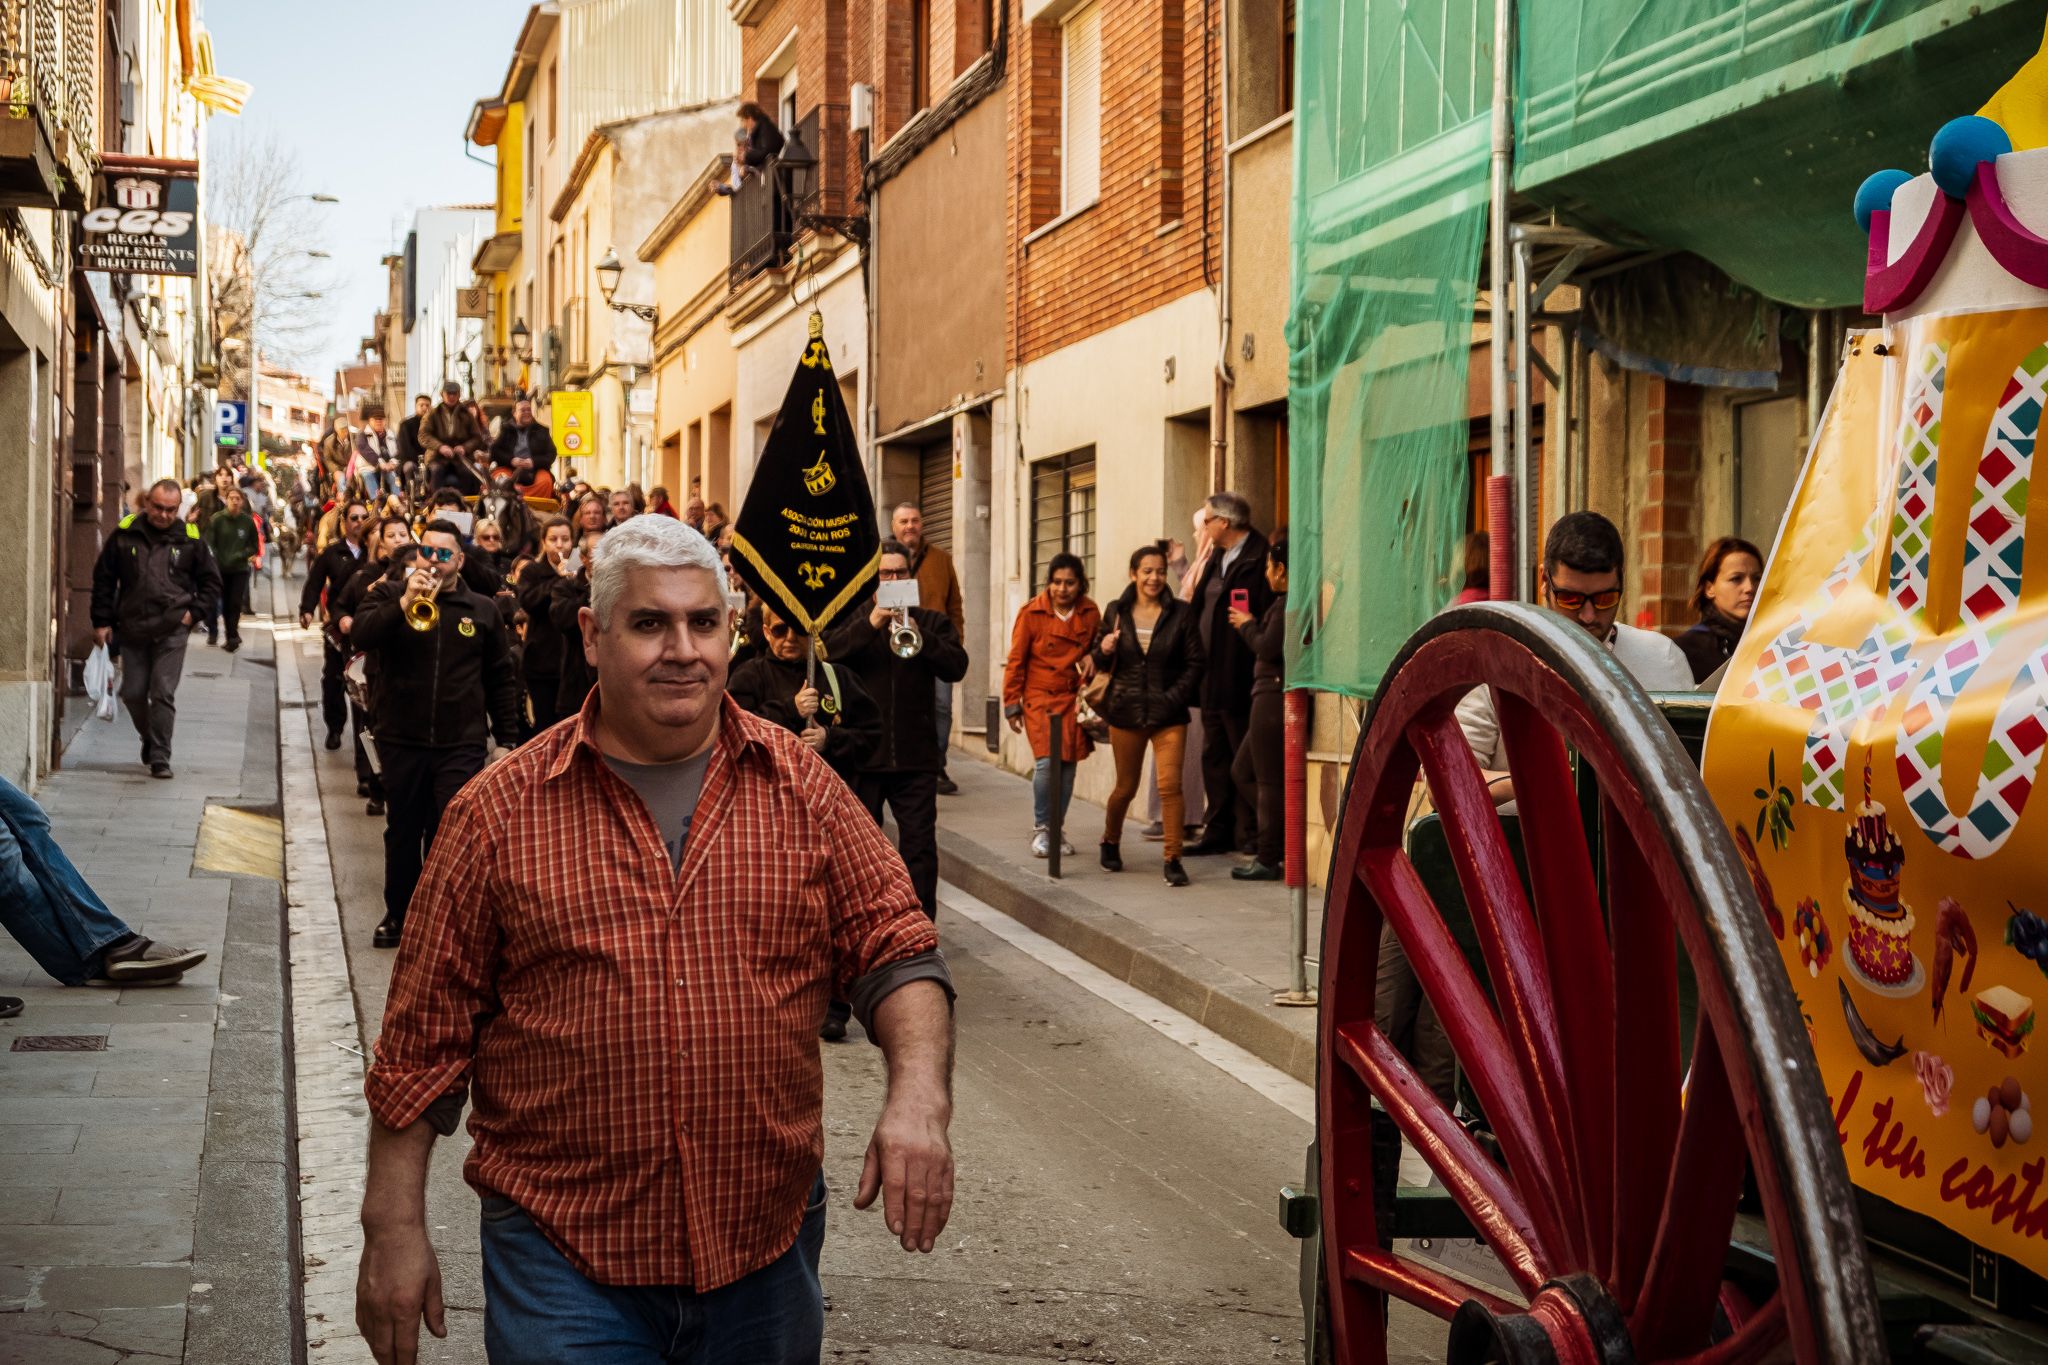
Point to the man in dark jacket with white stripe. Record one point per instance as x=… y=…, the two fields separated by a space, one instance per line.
x=153 y=578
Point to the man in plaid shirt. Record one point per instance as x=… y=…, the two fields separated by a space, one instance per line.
x=637 y=1024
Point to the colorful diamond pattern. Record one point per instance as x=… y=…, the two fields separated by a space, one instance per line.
x=1993 y=558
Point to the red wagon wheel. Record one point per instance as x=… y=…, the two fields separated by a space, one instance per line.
x=1620 y=1169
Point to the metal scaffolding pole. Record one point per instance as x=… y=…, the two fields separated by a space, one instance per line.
x=1502 y=554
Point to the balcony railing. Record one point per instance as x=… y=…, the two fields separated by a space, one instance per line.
x=817 y=183
x=49 y=81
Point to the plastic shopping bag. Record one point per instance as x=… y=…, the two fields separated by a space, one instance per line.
x=99 y=681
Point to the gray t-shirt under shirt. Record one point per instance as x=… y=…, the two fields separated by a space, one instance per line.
x=670 y=791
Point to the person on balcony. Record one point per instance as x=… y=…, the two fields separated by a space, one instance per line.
x=756 y=142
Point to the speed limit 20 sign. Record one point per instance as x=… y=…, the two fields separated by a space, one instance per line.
x=147 y=223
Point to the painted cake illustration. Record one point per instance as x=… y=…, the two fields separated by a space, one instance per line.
x=1880 y=925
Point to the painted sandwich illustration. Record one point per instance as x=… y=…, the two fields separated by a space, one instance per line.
x=2005 y=1019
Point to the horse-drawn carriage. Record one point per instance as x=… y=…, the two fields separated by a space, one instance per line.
x=1744 y=1065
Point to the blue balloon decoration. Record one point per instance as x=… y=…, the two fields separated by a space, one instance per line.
x=1960 y=147
x=1874 y=195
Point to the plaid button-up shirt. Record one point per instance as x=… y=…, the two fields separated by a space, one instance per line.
x=640 y=1043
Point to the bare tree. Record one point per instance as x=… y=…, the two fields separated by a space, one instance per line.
x=260 y=264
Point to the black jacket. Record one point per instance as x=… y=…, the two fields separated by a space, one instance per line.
x=565 y=599
x=539 y=440
x=543 y=640
x=767 y=686
x=764 y=144
x=409 y=440
x=332 y=568
x=436 y=688
x=1149 y=687
x=1227 y=683
x=1711 y=642
x=146 y=580
x=903 y=689
x=1266 y=637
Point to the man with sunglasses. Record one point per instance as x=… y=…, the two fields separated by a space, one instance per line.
x=431 y=693
x=1582 y=567
x=332 y=569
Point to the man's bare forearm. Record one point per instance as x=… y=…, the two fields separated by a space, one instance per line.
x=914 y=1026
x=395 y=1185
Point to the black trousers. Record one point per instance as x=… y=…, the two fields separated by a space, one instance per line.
x=914 y=799
x=418 y=783
x=1260 y=773
x=1232 y=818
x=234 y=600
x=364 y=772
x=542 y=690
x=333 y=693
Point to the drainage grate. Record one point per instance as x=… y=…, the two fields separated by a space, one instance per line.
x=61 y=1042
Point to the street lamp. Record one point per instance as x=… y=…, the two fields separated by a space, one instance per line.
x=609 y=271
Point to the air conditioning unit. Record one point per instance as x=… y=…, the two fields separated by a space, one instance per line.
x=863 y=110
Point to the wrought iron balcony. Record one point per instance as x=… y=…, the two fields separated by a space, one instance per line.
x=814 y=185
x=49 y=83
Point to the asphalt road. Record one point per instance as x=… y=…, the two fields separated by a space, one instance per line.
x=1115 y=1197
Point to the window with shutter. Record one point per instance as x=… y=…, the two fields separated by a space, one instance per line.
x=935 y=494
x=1081 y=109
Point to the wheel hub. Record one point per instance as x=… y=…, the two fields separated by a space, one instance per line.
x=1571 y=1322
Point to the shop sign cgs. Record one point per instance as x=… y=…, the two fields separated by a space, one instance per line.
x=147 y=224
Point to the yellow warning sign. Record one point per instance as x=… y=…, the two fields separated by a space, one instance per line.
x=573 y=419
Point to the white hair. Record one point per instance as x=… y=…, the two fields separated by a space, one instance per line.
x=647 y=543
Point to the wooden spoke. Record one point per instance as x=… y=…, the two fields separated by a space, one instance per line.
x=1483 y=1053
x=1646 y=1061
x=1757 y=1340
x=1477 y=1186
x=1573 y=929
x=1509 y=943
x=1428 y=1289
x=1676 y=1307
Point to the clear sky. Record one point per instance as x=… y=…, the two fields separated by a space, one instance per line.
x=372 y=99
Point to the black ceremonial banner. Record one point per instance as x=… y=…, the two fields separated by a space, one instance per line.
x=807 y=536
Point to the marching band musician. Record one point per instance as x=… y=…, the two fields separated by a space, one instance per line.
x=836 y=716
x=903 y=768
x=444 y=667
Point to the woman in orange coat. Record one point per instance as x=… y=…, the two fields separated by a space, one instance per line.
x=1049 y=649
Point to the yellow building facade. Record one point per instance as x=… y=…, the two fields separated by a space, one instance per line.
x=694 y=362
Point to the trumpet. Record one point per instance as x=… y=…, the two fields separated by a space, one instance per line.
x=906 y=641
x=424 y=613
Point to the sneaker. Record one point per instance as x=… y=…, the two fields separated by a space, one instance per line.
x=1154 y=831
x=232 y=646
x=374 y=806
x=1255 y=871
x=142 y=959
x=1176 y=875
x=947 y=786
x=1112 y=857
x=160 y=769
x=387 y=933
x=333 y=740
x=1041 y=843
x=833 y=1030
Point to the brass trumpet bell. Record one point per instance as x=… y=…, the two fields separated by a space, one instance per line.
x=423 y=615
x=906 y=641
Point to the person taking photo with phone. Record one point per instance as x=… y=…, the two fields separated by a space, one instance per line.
x=1234 y=579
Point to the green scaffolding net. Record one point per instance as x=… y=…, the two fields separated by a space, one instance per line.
x=1390 y=205
x=1736 y=130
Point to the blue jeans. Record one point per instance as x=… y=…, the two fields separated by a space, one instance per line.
x=44 y=902
x=1041 y=791
x=373 y=483
x=540 y=1310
